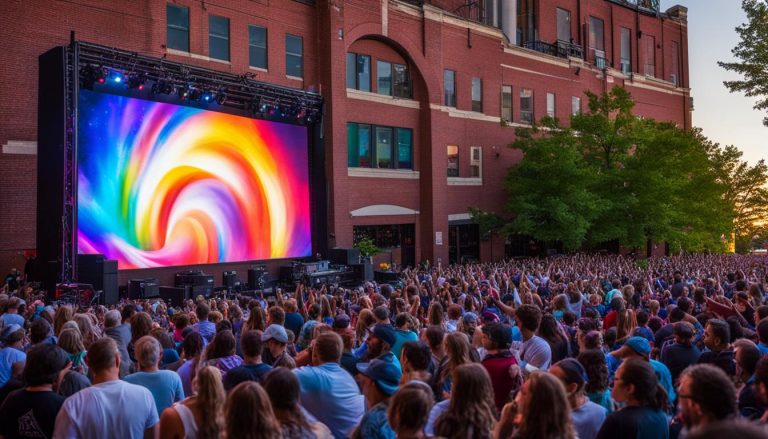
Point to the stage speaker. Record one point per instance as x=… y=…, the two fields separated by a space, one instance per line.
x=364 y=272
x=344 y=256
x=386 y=276
x=143 y=288
x=175 y=296
x=258 y=277
x=201 y=290
x=101 y=273
x=229 y=279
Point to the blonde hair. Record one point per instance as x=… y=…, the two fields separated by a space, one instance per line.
x=249 y=413
x=71 y=341
x=209 y=399
x=63 y=314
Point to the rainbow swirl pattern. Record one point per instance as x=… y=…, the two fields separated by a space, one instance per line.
x=162 y=185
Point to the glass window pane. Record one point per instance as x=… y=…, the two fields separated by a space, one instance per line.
x=404 y=148
x=364 y=72
x=257 y=46
x=563 y=25
x=401 y=86
x=364 y=146
x=353 y=160
x=453 y=161
x=449 y=85
x=383 y=147
x=383 y=78
x=575 y=105
x=177 y=27
x=596 y=41
x=526 y=105
x=218 y=26
x=218 y=37
x=294 y=63
x=551 y=104
x=506 y=103
x=477 y=94
x=351 y=70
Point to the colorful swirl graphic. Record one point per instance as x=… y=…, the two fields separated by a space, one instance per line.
x=163 y=185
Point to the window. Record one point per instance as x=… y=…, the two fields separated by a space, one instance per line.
x=506 y=103
x=449 y=88
x=359 y=72
x=453 y=161
x=383 y=78
x=563 y=25
x=649 y=55
x=477 y=95
x=526 y=106
x=401 y=87
x=476 y=162
x=551 y=104
x=626 y=50
x=393 y=147
x=575 y=105
x=178 y=27
x=294 y=56
x=218 y=37
x=675 y=74
x=596 y=41
x=257 y=46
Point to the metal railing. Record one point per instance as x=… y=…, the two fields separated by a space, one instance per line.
x=561 y=49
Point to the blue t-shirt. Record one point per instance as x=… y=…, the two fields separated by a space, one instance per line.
x=375 y=424
x=588 y=419
x=165 y=386
x=401 y=337
x=331 y=395
x=8 y=357
x=636 y=423
x=11 y=319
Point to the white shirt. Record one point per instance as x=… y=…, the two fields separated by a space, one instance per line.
x=114 y=409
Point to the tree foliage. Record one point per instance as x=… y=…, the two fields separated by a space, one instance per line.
x=614 y=176
x=752 y=53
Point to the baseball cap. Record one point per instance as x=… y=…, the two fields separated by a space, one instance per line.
x=9 y=330
x=574 y=371
x=489 y=316
x=384 y=332
x=385 y=374
x=639 y=345
x=341 y=321
x=470 y=317
x=499 y=333
x=275 y=331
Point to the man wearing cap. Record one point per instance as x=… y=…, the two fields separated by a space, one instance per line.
x=639 y=347
x=380 y=341
x=276 y=339
x=12 y=358
x=587 y=416
x=379 y=380
x=328 y=392
x=499 y=362
x=682 y=353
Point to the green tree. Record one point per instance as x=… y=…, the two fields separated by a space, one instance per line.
x=752 y=53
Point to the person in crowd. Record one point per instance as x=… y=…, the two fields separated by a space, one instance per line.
x=201 y=415
x=72 y=343
x=499 y=362
x=535 y=353
x=458 y=351
x=717 y=339
x=31 y=412
x=293 y=319
x=220 y=352
x=639 y=348
x=409 y=411
x=111 y=408
x=747 y=355
x=706 y=395
x=381 y=338
x=165 y=385
x=249 y=414
x=328 y=392
x=402 y=333
x=682 y=352
x=282 y=387
x=551 y=331
x=252 y=369
x=645 y=404
x=11 y=315
x=192 y=350
x=275 y=340
x=586 y=416
x=120 y=333
x=596 y=388
x=471 y=412
x=416 y=359
x=731 y=428
x=762 y=335
x=434 y=336
x=41 y=332
x=378 y=379
x=12 y=358
x=540 y=411
x=203 y=326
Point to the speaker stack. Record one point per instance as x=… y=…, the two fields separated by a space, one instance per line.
x=344 y=256
x=102 y=274
x=143 y=288
x=175 y=296
x=200 y=283
x=258 y=276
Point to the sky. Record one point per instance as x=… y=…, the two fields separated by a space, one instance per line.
x=725 y=118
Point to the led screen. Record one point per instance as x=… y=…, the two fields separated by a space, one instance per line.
x=163 y=185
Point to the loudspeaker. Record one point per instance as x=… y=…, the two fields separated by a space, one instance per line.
x=143 y=288
x=229 y=279
x=364 y=272
x=201 y=290
x=344 y=256
x=194 y=278
x=258 y=277
x=101 y=273
x=386 y=276
x=175 y=296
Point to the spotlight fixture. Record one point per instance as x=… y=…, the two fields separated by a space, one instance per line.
x=116 y=76
x=90 y=74
x=221 y=96
x=136 y=80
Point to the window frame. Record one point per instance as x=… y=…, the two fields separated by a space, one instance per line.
x=530 y=119
x=252 y=27
x=551 y=111
x=511 y=100
x=212 y=37
x=289 y=54
x=575 y=100
x=477 y=105
x=570 y=30
x=169 y=26
x=453 y=158
x=445 y=88
x=628 y=60
x=476 y=163
x=372 y=147
x=357 y=73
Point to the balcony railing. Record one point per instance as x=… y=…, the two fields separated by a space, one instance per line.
x=652 y=5
x=561 y=49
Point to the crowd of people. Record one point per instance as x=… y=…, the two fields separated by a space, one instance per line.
x=580 y=346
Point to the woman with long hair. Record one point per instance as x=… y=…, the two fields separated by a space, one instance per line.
x=636 y=385
x=626 y=323
x=249 y=414
x=72 y=342
x=192 y=349
x=540 y=411
x=471 y=413
x=597 y=388
x=220 y=353
x=282 y=387
x=364 y=321
x=256 y=319
x=550 y=331
x=409 y=409
x=458 y=351
x=200 y=416
x=63 y=314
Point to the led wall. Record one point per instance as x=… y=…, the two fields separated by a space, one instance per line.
x=163 y=185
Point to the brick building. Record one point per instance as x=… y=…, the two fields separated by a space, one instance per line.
x=422 y=97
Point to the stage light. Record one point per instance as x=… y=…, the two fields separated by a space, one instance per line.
x=117 y=77
x=136 y=80
x=90 y=74
x=206 y=97
x=221 y=96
